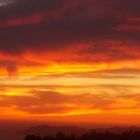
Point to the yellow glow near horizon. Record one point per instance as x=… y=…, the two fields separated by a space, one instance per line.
x=56 y=91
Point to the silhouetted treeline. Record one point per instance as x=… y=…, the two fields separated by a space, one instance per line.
x=89 y=136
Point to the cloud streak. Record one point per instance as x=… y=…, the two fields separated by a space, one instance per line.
x=50 y=103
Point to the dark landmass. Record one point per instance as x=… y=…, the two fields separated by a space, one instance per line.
x=76 y=133
x=67 y=130
x=53 y=130
x=20 y=131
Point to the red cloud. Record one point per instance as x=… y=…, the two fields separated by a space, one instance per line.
x=36 y=18
x=129 y=24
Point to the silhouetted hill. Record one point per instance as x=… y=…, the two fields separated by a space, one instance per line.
x=123 y=134
x=53 y=130
x=68 y=130
x=123 y=129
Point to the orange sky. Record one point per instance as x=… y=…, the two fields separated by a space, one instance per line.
x=74 y=61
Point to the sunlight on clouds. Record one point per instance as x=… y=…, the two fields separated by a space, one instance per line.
x=15 y=92
x=55 y=69
x=70 y=113
x=125 y=103
x=12 y=112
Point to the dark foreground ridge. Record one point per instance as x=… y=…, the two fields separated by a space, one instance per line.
x=129 y=135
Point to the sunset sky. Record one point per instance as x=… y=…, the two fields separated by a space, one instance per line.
x=70 y=60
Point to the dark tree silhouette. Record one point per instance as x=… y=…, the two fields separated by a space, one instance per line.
x=129 y=135
x=33 y=137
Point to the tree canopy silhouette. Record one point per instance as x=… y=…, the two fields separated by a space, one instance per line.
x=129 y=135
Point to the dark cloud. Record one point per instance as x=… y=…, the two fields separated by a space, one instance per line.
x=46 y=25
x=11 y=66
